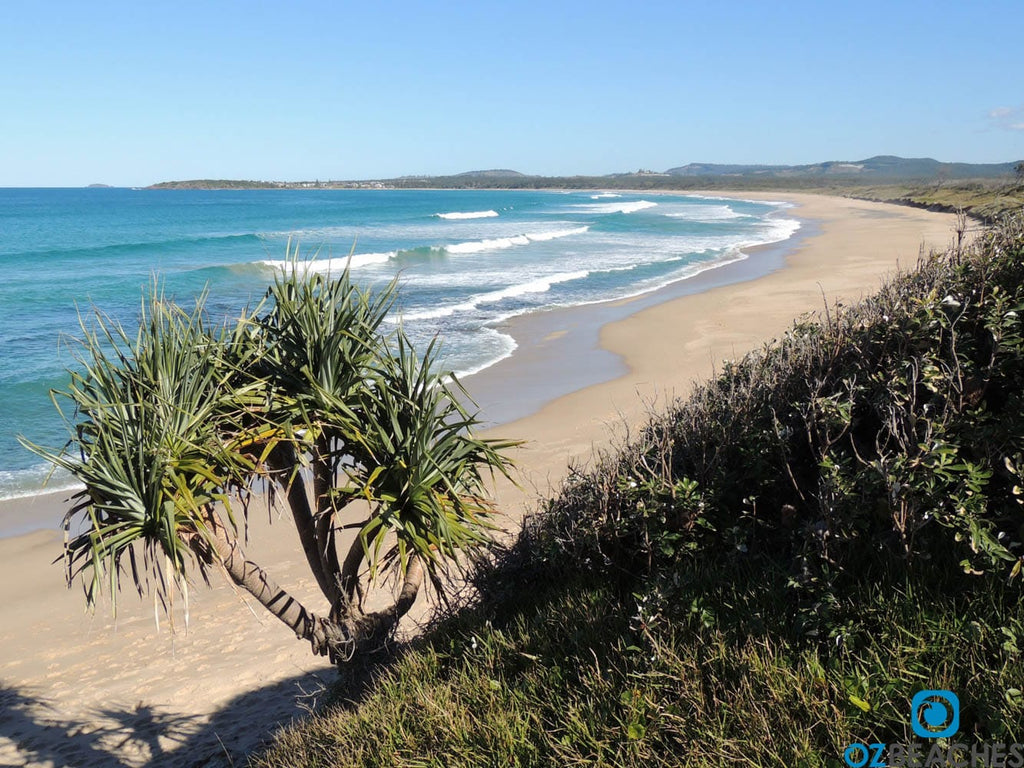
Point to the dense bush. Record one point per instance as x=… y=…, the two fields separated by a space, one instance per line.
x=889 y=434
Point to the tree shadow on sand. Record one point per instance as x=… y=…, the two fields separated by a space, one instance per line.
x=34 y=732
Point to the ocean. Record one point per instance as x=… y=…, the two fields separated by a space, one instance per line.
x=466 y=261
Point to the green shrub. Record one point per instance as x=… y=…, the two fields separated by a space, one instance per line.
x=890 y=433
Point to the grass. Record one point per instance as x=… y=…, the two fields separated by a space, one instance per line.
x=986 y=200
x=578 y=679
x=768 y=573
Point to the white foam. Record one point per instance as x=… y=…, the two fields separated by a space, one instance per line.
x=778 y=203
x=633 y=207
x=729 y=256
x=541 y=237
x=506 y=346
x=42 y=478
x=604 y=195
x=776 y=231
x=538 y=285
x=706 y=213
x=772 y=231
x=459 y=215
x=335 y=264
x=499 y=243
x=779 y=230
x=494 y=244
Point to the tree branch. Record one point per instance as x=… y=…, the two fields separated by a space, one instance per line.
x=326 y=638
x=323 y=486
x=351 y=588
x=284 y=462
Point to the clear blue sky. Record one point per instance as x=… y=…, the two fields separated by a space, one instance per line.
x=131 y=93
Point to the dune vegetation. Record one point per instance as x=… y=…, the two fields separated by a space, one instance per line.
x=766 y=573
x=983 y=199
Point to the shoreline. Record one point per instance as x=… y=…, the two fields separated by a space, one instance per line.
x=89 y=690
x=571 y=336
x=843 y=254
x=526 y=370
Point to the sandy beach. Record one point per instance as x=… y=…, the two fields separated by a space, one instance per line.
x=86 y=690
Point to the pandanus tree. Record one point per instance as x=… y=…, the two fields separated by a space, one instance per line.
x=174 y=429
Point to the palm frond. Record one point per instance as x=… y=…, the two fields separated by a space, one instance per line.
x=156 y=436
x=423 y=469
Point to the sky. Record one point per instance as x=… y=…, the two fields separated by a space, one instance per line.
x=133 y=93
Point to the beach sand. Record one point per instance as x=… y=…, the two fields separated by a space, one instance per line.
x=86 y=690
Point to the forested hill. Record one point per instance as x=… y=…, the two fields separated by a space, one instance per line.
x=881 y=169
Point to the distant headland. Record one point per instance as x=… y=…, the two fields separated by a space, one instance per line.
x=875 y=170
x=982 y=190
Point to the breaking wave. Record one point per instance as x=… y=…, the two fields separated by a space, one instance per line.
x=540 y=285
x=498 y=243
x=459 y=215
x=334 y=264
x=633 y=207
x=707 y=213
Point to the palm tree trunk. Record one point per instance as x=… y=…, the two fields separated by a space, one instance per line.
x=284 y=461
x=345 y=633
x=410 y=589
x=350 y=585
x=327 y=638
x=370 y=631
x=326 y=507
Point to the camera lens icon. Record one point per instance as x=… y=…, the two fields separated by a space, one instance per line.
x=935 y=714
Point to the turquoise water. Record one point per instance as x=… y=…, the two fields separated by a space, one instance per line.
x=467 y=260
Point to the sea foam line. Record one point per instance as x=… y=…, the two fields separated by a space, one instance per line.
x=707 y=213
x=778 y=203
x=459 y=215
x=334 y=264
x=779 y=231
x=539 y=285
x=633 y=207
x=508 y=346
x=41 y=478
x=477 y=246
